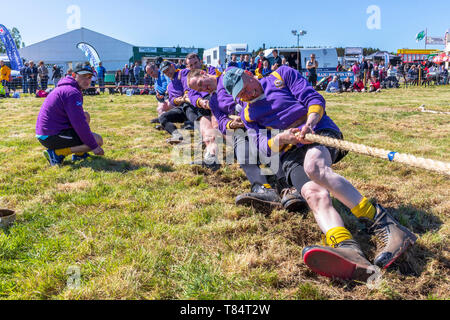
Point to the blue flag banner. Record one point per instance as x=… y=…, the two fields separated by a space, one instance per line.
x=90 y=53
x=11 y=48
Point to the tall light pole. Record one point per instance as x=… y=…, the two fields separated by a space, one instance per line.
x=298 y=34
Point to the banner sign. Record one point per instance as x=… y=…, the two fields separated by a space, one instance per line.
x=147 y=50
x=90 y=53
x=435 y=40
x=189 y=50
x=322 y=74
x=11 y=48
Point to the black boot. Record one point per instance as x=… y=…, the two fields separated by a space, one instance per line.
x=292 y=200
x=260 y=197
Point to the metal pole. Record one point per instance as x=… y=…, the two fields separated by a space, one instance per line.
x=298 y=52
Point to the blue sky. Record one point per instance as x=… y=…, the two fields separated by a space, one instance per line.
x=205 y=24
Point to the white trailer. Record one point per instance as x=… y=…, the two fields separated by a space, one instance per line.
x=215 y=56
x=326 y=57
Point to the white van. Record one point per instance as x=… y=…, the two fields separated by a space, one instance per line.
x=326 y=57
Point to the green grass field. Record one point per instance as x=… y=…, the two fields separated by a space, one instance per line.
x=136 y=225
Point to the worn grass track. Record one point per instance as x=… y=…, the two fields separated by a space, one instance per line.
x=139 y=226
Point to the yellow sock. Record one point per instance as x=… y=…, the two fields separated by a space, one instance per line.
x=364 y=209
x=63 y=152
x=337 y=235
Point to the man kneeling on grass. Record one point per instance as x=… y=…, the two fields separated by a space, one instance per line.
x=63 y=126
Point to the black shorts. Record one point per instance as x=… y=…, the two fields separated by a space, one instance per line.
x=296 y=156
x=194 y=113
x=65 y=139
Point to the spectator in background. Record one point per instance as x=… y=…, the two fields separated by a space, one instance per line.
x=220 y=66
x=293 y=60
x=284 y=62
x=266 y=70
x=43 y=75
x=233 y=62
x=347 y=85
x=358 y=85
x=374 y=85
x=333 y=86
x=24 y=72
x=56 y=75
x=181 y=64
x=391 y=78
x=312 y=66
x=33 y=78
x=355 y=68
x=276 y=60
x=137 y=73
x=375 y=72
x=444 y=74
x=5 y=75
x=364 y=69
x=101 y=72
x=125 y=75
x=119 y=81
x=253 y=65
x=245 y=64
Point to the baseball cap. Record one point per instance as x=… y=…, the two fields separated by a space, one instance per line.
x=232 y=81
x=164 y=65
x=83 y=69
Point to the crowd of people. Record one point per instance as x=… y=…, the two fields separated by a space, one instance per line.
x=267 y=111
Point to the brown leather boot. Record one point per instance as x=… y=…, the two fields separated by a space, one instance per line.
x=344 y=261
x=392 y=238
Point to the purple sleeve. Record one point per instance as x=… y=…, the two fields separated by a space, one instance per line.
x=74 y=109
x=222 y=117
x=173 y=92
x=300 y=87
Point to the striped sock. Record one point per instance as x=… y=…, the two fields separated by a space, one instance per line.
x=364 y=209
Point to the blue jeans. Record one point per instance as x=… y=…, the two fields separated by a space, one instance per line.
x=101 y=84
x=25 y=85
x=137 y=80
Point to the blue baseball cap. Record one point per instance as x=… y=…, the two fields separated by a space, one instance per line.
x=232 y=81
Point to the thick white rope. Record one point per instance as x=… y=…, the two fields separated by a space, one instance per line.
x=428 y=164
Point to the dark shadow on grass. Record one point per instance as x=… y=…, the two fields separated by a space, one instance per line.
x=163 y=167
x=105 y=164
x=414 y=261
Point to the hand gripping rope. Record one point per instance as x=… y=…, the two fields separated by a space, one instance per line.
x=428 y=164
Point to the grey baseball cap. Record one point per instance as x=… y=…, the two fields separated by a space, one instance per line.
x=164 y=65
x=232 y=81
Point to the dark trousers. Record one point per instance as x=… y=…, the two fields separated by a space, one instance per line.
x=175 y=115
x=33 y=85
x=249 y=162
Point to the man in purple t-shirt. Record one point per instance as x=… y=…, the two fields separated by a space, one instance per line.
x=63 y=126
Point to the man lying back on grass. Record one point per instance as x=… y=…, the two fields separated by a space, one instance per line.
x=63 y=126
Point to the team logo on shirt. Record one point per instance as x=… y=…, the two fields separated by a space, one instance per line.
x=2 y=31
x=79 y=104
x=279 y=83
